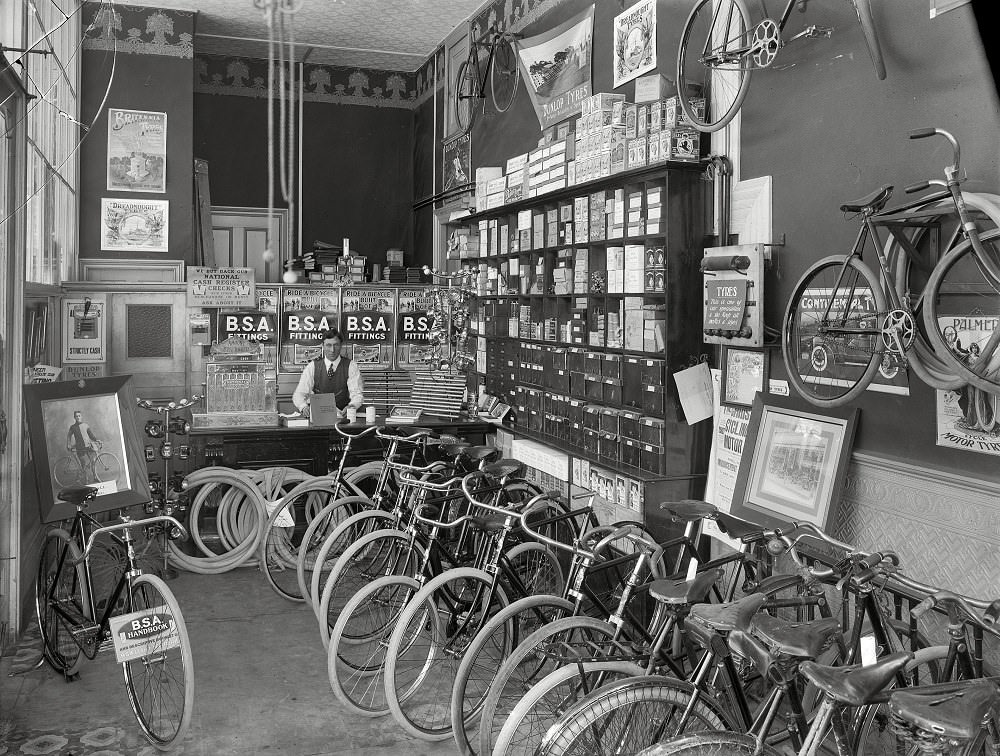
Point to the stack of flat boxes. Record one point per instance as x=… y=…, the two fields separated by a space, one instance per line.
x=485 y=199
x=546 y=168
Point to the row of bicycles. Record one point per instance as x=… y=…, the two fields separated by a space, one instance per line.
x=454 y=596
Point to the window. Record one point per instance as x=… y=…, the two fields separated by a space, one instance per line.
x=52 y=137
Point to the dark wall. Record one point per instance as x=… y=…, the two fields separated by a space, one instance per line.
x=141 y=82
x=357 y=177
x=828 y=131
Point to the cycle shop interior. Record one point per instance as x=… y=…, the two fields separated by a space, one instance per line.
x=336 y=189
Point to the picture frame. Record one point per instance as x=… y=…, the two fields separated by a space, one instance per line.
x=744 y=375
x=110 y=457
x=793 y=464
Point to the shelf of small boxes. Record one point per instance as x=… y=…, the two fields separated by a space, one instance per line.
x=609 y=136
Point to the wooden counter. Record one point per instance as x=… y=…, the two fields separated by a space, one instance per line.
x=310 y=448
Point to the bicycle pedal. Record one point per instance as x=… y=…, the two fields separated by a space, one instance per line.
x=819 y=31
x=106 y=645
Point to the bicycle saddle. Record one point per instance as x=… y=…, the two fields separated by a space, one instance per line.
x=855 y=685
x=504 y=468
x=454 y=449
x=800 y=640
x=479 y=453
x=734 y=527
x=956 y=711
x=874 y=201
x=76 y=495
x=677 y=592
x=729 y=616
x=688 y=510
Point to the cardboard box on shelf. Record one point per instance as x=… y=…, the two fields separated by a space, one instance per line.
x=652 y=87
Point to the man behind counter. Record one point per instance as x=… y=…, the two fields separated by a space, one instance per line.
x=330 y=374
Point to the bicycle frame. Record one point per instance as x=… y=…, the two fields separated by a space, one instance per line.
x=90 y=642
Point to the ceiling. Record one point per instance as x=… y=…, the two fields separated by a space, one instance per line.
x=394 y=35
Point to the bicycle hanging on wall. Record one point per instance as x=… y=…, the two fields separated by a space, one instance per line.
x=500 y=67
x=720 y=48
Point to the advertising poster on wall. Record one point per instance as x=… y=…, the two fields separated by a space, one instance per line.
x=729 y=432
x=134 y=225
x=635 y=41
x=305 y=313
x=457 y=161
x=85 y=327
x=220 y=287
x=413 y=325
x=556 y=67
x=367 y=324
x=835 y=359
x=137 y=151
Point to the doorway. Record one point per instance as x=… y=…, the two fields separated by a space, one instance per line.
x=240 y=235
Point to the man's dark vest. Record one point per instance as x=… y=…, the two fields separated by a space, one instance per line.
x=336 y=384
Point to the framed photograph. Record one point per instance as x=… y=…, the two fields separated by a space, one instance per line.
x=744 y=374
x=84 y=433
x=793 y=463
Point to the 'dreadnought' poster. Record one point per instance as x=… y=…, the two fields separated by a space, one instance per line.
x=129 y=225
x=635 y=41
x=137 y=151
x=556 y=67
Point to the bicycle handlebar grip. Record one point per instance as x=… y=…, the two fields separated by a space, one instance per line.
x=874 y=559
x=917 y=187
x=923 y=607
x=992 y=613
x=922 y=133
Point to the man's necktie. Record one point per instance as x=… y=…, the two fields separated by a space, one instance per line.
x=330 y=371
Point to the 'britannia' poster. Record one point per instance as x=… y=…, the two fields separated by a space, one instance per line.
x=129 y=225
x=635 y=41
x=137 y=151
x=556 y=67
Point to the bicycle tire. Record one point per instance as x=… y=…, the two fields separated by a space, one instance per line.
x=67 y=471
x=355 y=671
x=801 y=325
x=485 y=655
x=60 y=579
x=423 y=657
x=505 y=75
x=348 y=532
x=864 y=10
x=958 y=287
x=348 y=575
x=646 y=703
x=108 y=467
x=535 y=725
x=537 y=568
x=326 y=520
x=523 y=667
x=712 y=744
x=279 y=548
x=697 y=79
x=160 y=684
x=465 y=99
x=872 y=736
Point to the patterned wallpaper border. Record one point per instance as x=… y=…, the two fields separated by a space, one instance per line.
x=339 y=85
x=139 y=30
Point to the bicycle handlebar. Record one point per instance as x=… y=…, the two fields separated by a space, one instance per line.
x=929 y=132
x=350 y=436
x=537 y=504
x=125 y=525
x=409 y=479
x=483 y=474
x=960 y=609
x=391 y=434
x=170 y=406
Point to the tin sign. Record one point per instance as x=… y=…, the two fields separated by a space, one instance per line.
x=220 y=287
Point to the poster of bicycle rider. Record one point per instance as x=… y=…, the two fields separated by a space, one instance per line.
x=85 y=442
x=967 y=417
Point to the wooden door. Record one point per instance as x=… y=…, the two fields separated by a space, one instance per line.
x=240 y=236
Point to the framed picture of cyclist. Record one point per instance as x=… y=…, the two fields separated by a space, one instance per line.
x=83 y=433
x=793 y=463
